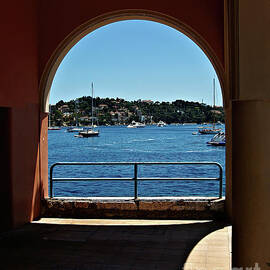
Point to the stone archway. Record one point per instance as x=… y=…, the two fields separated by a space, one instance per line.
x=91 y=25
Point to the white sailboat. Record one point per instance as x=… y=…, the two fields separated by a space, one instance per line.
x=90 y=132
x=212 y=130
x=218 y=140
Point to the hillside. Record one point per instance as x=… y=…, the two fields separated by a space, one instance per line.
x=110 y=111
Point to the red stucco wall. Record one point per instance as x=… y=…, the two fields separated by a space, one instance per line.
x=58 y=18
x=19 y=91
x=19 y=51
x=30 y=32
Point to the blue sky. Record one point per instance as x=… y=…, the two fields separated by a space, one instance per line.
x=136 y=60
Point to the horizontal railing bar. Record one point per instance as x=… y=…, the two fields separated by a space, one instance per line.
x=91 y=179
x=131 y=179
x=179 y=179
x=139 y=163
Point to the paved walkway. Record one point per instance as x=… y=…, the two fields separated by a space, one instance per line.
x=85 y=244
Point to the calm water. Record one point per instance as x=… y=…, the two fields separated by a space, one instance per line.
x=151 y=144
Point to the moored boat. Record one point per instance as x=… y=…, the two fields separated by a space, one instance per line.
x=54 y=128
x=218 y=140
x=134 y=124
x=74 y=129
x=209 y=130
x=212 y=130
x=161 y=124
x=90 y=132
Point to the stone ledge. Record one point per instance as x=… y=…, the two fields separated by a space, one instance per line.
x=127 y=207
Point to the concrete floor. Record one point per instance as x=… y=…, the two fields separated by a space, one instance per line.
x=117 y=244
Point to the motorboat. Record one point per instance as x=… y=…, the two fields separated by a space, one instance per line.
x=54 y=128
x=134 y=124
x=218 y=140
x=90 y=132
x=161 y=124
x=74 y=129
x=209 y=130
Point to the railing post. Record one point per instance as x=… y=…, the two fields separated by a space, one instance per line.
x=220 y=182
x=51 y=182
x=135 y=181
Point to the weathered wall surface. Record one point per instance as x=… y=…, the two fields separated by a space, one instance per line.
x=181 y=208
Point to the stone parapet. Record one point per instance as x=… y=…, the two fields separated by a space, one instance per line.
x=143 y=208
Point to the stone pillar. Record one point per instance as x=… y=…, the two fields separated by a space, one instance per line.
x=251 y=183
x=251 y=138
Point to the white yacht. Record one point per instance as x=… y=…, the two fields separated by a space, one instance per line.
x=161 y=124
x=88 y=133
x=74 y=129
x=54 y=128
x=134 y=124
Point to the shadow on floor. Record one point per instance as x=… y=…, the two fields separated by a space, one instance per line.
x=81 y=247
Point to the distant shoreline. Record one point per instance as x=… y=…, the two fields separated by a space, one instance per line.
x=110 y=111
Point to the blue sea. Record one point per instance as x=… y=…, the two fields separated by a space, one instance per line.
x=171 y=143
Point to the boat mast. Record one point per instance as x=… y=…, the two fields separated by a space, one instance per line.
x=214 y=89
x=92 y=103
x=76 y=113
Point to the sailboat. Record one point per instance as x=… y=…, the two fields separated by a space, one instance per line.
x=90 y=132
x=212 y=130
x=77 y=128
x=51 y=127
x=218 y=140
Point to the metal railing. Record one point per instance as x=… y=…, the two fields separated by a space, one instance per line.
x=135 y=178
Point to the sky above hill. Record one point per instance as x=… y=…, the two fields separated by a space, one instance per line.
x=136 y=60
